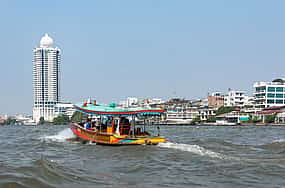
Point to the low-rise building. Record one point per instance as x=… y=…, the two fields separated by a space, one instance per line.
x=268 y=94
x=132 y=101
x=231 y=118
x=235 y=98
x=148 y=103
x=180 y=111
x=64 y=108
x=205 y=113
x=277 y=111
x=216 y=100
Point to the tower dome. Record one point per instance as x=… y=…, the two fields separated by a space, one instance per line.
x=46 y=41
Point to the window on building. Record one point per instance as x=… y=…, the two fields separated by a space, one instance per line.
x=271 y=95
x=260 y=89
x=270 y=101
x=278 y=95
x=279 y=89
x=260 y=95
x=271 y=89
x=279 y=101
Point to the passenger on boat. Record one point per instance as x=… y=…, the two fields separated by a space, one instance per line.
x=93 y=124
x=87 y=125
x=98 y=125
x=104 y=126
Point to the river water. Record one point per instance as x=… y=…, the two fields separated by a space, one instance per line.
x=203 y=156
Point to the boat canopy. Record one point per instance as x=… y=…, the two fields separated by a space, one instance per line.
x=112 y=110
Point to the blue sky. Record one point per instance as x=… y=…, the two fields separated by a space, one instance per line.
x=144 y=48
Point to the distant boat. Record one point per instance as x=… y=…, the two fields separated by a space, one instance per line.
x=117 y=130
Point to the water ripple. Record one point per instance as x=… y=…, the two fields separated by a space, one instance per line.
x=46 y=156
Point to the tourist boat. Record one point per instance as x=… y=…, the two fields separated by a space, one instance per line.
x=113 y=126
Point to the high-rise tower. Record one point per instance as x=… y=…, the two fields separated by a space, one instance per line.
x=46 y=79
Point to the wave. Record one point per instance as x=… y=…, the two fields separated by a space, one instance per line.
x=62 y=136
x=280 y=140
x=198 y=150
x=275 y=145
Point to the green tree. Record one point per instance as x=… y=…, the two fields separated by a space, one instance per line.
x=77 y=117
x=42 y=121
x=270 y=118
x=253 y=119
x=211 y=118
x=197 y=119
x=61 y=120
x=224 y=109
x=10 y=121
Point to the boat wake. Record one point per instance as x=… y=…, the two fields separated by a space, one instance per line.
x=62 y=136
x=198 y=150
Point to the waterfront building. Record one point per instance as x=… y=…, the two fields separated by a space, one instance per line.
x=132 y=101
x=46 y=79
x=249 y=101
x=204 y=113
x=200 y=102
x=146 y=103
x=235 y=98
x=278 y=111
x=268 y=94
x=249 y=105
x=180 y=111
x=151 y=103
x=64 y=109
x=216 y=100
x=22 y=119
x=232 y=118
x=122 y=104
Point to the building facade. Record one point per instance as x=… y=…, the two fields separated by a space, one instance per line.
x=216 y=100
x=46 y=79
x=268 y=94
x=235 y=98
x=180 y=111
x=151 y=103
x=64 y=109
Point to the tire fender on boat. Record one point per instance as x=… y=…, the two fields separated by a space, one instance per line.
x=147 y=141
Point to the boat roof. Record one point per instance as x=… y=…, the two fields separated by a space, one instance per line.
x=112 y=110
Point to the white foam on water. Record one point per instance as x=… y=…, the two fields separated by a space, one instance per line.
x=61 y=136
x=279 y=140
x=193 y=149
x=91 y=143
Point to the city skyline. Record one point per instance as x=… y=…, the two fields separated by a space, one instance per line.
x=174 y=49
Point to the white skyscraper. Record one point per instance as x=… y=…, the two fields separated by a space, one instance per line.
x=46 y=79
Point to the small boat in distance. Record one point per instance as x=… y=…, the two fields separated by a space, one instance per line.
x=113 y=126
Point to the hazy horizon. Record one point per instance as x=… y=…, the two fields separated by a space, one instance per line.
x=115 y=49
